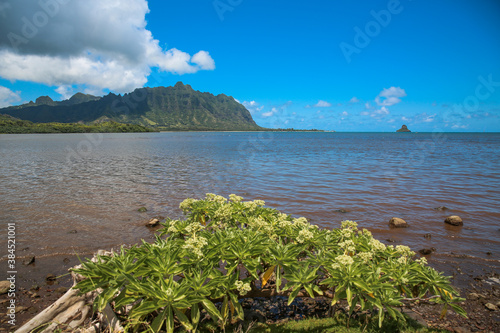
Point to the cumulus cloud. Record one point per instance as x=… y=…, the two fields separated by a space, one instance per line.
x=320 y=104
x=390 y=96
x=98 y=44
x=354 y=100
x=277 y=111
x=253 y=107
x=8 y=97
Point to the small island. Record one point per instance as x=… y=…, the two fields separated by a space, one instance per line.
x=403 y=129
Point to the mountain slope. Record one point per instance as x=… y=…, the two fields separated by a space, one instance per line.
x=168 y=108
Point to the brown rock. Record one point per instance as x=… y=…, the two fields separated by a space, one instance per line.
x=491 y=306
x=396 y=222
x=425 y=251
x=454 y=220
x=50 y=277
x=153 y=222
x=4 y=287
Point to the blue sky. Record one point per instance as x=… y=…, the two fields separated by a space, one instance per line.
x=332 y=65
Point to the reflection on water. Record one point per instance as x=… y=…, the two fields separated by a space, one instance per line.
x=54 y=185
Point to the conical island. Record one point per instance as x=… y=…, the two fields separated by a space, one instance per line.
x=403 y=129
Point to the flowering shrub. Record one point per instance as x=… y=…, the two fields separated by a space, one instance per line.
x=229 y=249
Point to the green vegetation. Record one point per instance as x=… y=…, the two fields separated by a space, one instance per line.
x=176 y=108
x=12 y=125
x=226 y=250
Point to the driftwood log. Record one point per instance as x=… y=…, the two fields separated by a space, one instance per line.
x=70 y=312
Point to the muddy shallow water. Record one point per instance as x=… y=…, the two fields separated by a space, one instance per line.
x=76 y=193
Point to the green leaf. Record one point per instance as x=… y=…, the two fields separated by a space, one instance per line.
x=211 y=309
x=158 y=322
x=183 y=319
x=195 y=314
x=170 y=320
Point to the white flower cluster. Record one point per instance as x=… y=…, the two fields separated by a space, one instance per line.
x=304 y=235
x=169 y=292
x=346 y=233
x=193 y=228
x=224 y=212
x=195 y=244
x=283 y=221
x=260 y=224
x=253 y=205
x=348 y=224
x=300 y=222
x=422 y=261
x=365 y=256
x=367 y=233
x=404 y=251
x=243 y=288
x=402 y=260
x=186 y=204
x=344 y=260
x=235 y=198
x=215 y=198
x=348 y=245
x=172 y=228
x=376 y=245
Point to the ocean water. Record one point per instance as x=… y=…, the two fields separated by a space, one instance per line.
x=76 y=193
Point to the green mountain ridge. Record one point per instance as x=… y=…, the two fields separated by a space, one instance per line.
x=165 y=108
x=11 y=125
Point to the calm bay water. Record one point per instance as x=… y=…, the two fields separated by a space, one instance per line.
x=75 y=193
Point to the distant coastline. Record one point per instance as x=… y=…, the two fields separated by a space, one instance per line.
x=11 y=125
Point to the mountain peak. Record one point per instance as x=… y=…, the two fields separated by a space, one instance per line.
x=44 y=100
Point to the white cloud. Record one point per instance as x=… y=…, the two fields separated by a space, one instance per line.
x=278 y=111
x=429 y=119
x=92 y=43
x=270 y=113
x=322 y=104
x=367 y=106
x=391 y=121
x=345 y=113
x=390 y=96
x=354 y=100
x=365 y=113
x=203 y=60
x=383 y=110
x=65 y=91
x=8 y=97
x=253 y=107
x=404 y=119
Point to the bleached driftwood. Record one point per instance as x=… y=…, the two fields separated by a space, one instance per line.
x=71 y=310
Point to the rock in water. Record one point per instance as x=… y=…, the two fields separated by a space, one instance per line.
x=441 y=208
x=396 y=222
x=403 y=129
x=454 y=220
x=153 y=222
